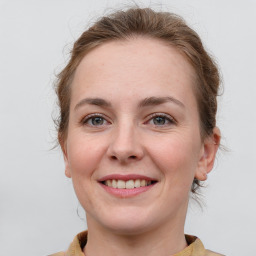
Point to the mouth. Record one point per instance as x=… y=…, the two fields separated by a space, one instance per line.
x=129 y=184
x=126 y=185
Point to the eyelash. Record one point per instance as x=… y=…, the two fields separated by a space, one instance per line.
x=151 y=117
x=167 y=117
x=86 y=119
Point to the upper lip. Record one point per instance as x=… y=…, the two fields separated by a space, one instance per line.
x=126 y=177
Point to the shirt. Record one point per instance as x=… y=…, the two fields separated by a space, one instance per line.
x=195 y=247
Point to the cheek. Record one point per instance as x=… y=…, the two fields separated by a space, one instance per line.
x=84 y=154
x=176 y=157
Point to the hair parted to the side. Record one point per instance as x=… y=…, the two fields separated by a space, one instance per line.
x=165 y=26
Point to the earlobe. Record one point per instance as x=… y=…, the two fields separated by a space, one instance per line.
x=201 y=172
x=208 y=155
x=65 y=156
x=67 y=173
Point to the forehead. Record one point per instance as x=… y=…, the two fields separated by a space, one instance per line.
x=139 y=65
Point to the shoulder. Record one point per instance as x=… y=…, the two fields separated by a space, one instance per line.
x=58 y=254
x=211 y=253
x=198 y=247
x=75 y=247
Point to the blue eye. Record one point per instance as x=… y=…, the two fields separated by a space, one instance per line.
x=94 y=120
x=161 y=120
x=97 y=120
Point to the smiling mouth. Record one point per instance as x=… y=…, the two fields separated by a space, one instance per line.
x=128 y=184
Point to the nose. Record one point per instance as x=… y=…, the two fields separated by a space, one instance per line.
x=125 y=145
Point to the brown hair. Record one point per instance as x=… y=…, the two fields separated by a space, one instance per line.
x=164 y=26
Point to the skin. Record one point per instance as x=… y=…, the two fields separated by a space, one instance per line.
x=129 y=139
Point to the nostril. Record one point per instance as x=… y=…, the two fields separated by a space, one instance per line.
x=123 y=158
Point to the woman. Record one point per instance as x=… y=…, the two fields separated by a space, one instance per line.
x=138 y=132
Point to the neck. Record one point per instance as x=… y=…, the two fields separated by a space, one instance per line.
x=166 y=240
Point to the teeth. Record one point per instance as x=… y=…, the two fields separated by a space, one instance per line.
x=129 y=184
x=143 y=183
x=137 y=183
x=114 y=184
x=120 y=184
x=109 y=183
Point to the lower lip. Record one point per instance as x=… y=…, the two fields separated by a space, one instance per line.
x=124 y=193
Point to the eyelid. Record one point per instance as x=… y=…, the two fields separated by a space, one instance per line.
x=87 y=117
x=150 y=117
x=167 y=116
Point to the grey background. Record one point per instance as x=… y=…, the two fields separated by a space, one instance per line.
x=38 y=208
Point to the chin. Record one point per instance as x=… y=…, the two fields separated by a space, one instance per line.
x=125 y=221
x=128 y=228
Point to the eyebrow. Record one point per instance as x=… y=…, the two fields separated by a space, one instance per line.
x=154 y=101
x=150 y=101
x=93 y=101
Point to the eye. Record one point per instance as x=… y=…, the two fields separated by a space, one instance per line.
x=94 y=120
x=161 y=120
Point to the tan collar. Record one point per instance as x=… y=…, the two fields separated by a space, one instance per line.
x=195 y=247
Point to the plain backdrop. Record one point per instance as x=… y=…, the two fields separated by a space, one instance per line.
x=38 y=207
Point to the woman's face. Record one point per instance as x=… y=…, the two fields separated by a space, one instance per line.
x=134 y=122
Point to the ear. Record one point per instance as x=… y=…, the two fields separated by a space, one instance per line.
x=208 y=154
x=65 y=156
